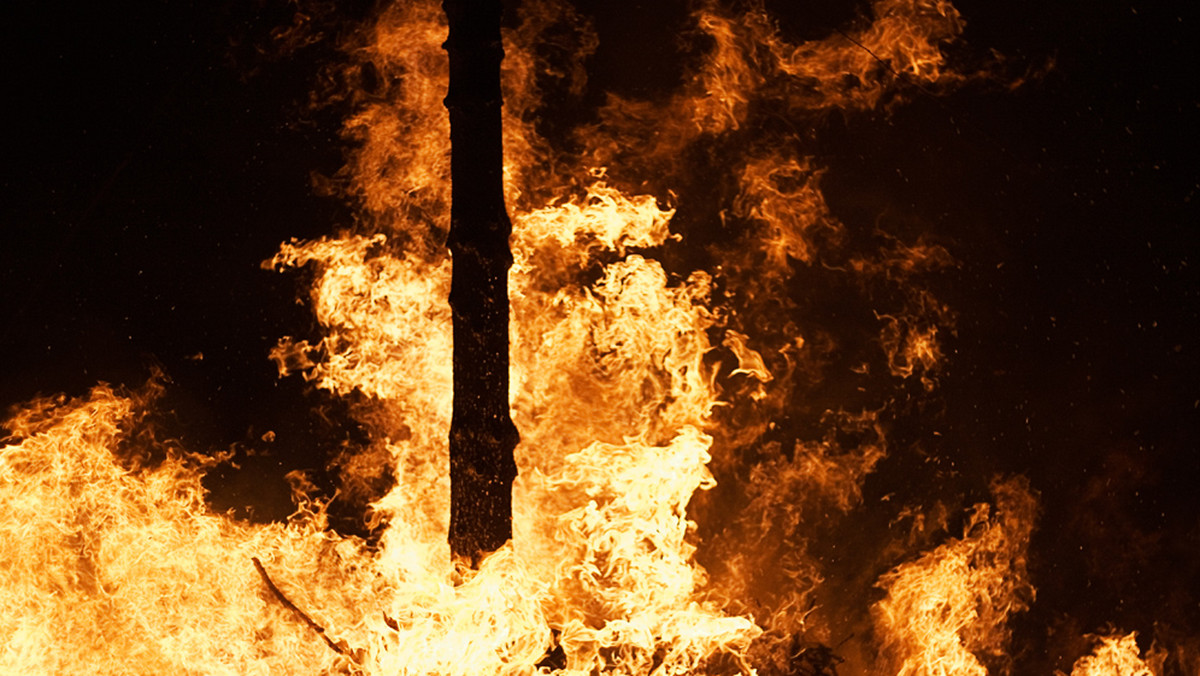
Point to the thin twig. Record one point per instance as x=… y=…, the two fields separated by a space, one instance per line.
x=955 y=115
x=296 y=611
x=887 y=64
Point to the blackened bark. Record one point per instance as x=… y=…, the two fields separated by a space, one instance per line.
x=482 y=435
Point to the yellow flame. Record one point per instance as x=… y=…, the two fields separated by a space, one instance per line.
x=610 y=392
x=946 y=611
x=1115 y=656
x=113 y=568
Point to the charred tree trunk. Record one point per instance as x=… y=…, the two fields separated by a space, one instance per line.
x=482 y=435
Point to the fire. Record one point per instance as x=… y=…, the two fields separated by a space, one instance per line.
x=1117 y=656
x=110 y=568
x=946 y=612
x=644 y=373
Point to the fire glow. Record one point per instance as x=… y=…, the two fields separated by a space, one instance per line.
x=639 y=387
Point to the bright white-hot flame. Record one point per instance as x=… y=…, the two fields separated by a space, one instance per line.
x=610 y=391
x=388 y=335
x=112 y=570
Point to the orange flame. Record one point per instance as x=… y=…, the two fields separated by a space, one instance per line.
x=629 y=378
x=112 y=570
x=946 y=612
x=1117 y=656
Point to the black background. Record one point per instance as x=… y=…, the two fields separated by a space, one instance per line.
x=154 y=156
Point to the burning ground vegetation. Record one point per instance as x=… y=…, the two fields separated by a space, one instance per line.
x=707 y=367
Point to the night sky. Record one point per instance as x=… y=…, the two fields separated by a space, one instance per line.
x=153 y=157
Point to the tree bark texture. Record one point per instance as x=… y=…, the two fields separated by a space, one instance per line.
x=482 y=434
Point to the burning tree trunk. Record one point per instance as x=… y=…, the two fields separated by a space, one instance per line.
x=482 y=435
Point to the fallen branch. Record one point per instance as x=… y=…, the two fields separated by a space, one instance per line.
x=339 y=649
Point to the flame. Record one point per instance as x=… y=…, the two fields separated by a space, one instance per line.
x=946 y=612
x=1117 y=656
x=639 y=378
x=111 y=569
x=400 y=167
x=387 y=335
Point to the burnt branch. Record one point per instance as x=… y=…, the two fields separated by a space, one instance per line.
x=482 y=434
x=300 y=614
